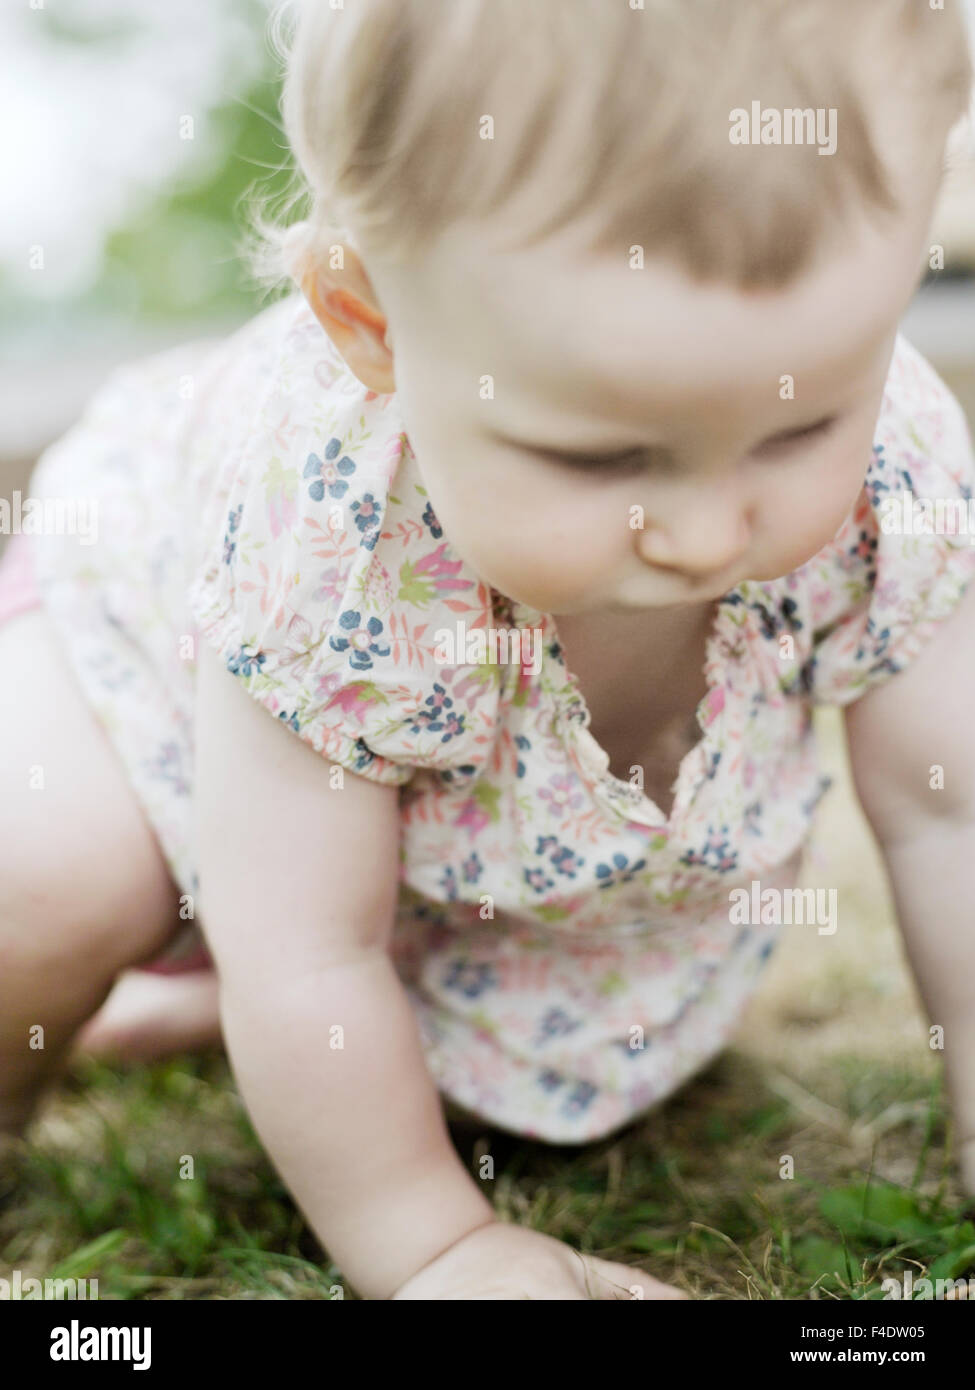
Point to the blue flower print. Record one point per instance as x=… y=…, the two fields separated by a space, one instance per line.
x=714 y=758
x=879 y=644
x=907 y=482
x=364 y=756
x=774 y=622
x=524 y=744
x=430 y=519
x=865 y=549
x=440 y=716
x=361 y=639
x=790 y=610
x=549 y=1080
x=448 y=882
x=471 y=868
x=470 y=978
x=327 y=474
x=537 y=879
x=290 y=719
x=244 y=663
x=620 y=871
x=555 y=1023
x=368 y=514
x=456 y=775
x=565 y=860
x=875 y=485
x=769 y=625
x=716 y=854
x=811 y=802
x=233 y=523
x=167 y=767
x=579 y=1098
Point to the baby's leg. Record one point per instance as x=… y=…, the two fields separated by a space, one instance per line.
x=150 y=1016
x=84 y=888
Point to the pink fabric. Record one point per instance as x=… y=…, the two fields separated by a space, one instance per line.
x=19 y=594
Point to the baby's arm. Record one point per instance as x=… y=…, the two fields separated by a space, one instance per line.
x=897 y=732
x=298 y=886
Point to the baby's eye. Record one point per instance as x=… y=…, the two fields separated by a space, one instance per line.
x=788 y=440
x=632 y=461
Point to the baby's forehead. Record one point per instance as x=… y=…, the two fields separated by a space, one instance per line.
x=555 y=322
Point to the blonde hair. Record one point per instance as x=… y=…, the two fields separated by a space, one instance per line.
x=384 y=105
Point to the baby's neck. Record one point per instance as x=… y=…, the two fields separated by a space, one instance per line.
x=625 y=638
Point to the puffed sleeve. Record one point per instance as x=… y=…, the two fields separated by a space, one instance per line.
x=324 y=580
x=903 y=558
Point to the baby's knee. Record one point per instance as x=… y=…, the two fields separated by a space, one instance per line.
x=58 y=925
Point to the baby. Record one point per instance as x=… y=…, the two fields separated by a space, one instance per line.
x=448 y=650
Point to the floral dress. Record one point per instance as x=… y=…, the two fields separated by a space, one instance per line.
x=568 y=949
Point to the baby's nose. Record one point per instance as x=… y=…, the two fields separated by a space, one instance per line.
x=704 y=543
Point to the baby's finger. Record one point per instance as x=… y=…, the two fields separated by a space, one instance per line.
x=615 y=1281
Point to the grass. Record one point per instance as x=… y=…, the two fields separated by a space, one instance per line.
x=692 y=1193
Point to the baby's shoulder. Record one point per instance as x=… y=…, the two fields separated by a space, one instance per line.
x=862 y=608
x=324 y=577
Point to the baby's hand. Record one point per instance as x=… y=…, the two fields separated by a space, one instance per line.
x=501 y=1261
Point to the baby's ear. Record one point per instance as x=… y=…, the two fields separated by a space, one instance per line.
x=345 y=304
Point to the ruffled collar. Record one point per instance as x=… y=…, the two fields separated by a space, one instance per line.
x=733 y=633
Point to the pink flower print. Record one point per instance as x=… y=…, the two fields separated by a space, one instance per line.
x=888 y=593
x=332 y=586
x=715 y=703
x=327 y=685
x=473 y=817
x=820 y=598
x=392 y=455
x=353 y=699
x=280 y=492
x=560 y=795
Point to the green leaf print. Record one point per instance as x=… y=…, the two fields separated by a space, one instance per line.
x=550 y=912
x=487 y=797
x=612 y=983
x=414 y=590
x=278 y=479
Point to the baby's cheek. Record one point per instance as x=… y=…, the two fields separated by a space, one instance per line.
x=813 y=528
x=809 y=519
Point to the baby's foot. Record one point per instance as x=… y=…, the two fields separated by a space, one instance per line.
x=148 y=1016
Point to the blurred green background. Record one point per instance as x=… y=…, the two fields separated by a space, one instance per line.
x=130 y=132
